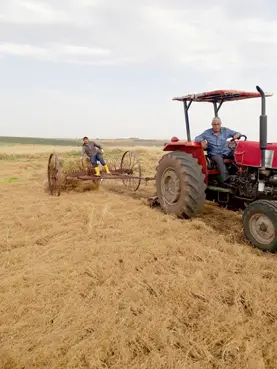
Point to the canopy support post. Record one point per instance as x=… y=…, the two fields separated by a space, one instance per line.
x=217 y=108
x=186 y=108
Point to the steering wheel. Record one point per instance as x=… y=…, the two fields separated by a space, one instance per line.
x=232 y=144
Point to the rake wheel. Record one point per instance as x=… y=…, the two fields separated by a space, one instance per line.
x=54 y=175
x=130 y=166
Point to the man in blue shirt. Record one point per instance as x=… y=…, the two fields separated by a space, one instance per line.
x=214 y=140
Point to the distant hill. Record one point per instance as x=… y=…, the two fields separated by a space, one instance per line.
x=5 y=140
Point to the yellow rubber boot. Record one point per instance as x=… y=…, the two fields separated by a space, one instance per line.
x=107 y=169
x=97 y=171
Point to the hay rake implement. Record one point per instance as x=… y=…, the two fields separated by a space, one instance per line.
x=128 y=171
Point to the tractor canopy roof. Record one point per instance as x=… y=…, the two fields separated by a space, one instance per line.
x=220 y=96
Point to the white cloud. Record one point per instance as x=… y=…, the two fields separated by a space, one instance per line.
x=82 y=50
x=58 y=52
x=167 y=47
x=42 y=12
x=165 y=32
x=23 y=50
x=36 y=12
x=210 y=39
x=29 y=12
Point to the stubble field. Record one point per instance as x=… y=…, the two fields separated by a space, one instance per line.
x=97 y=279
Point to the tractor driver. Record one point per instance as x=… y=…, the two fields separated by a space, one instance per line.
x=93 y=151
x=214 y=140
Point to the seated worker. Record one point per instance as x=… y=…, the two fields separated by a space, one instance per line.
x=93 y=151
x=214 y=140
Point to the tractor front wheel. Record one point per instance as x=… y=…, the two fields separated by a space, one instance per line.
x=180 y=184
x=260 y=224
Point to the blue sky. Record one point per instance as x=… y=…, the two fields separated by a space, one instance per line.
x=110 y=69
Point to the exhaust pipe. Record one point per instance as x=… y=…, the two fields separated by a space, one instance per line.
x=263 y=128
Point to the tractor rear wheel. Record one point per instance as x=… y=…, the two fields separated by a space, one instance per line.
x=180 y=184
x=260 y=224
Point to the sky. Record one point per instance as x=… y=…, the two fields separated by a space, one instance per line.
x=109 y=69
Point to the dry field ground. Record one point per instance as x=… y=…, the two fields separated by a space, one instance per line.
x=97 y=279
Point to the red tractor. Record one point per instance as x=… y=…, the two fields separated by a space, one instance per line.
x=186 y=176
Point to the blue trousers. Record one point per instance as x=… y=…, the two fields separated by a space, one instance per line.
x=95 y=158
x=221 y=166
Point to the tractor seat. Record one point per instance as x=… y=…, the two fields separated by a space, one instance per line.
x=228 y=161
x=211 y=165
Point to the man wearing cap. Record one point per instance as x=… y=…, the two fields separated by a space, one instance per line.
x=93 y=151
x=214 y=140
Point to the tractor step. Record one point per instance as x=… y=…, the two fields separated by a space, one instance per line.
x=219 y=189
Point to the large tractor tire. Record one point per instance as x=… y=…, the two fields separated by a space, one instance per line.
x=180 y=185
x=260 y=224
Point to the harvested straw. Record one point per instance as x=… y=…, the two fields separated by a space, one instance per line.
x=72 y=166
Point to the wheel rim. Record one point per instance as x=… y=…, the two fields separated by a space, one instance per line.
x=130 y=167
x=170 y=186
x=54 y=175
x=262 y=228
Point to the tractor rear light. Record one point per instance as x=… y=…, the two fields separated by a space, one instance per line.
x=174 y=139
